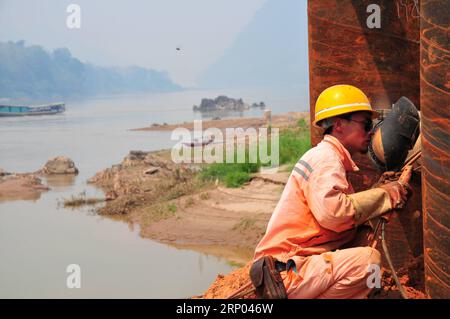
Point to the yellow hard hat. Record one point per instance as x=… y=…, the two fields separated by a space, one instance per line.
x=340 y=99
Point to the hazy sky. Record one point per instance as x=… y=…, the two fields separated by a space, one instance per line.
x=133 y=32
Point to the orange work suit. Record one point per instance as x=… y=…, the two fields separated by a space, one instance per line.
x=314 y=217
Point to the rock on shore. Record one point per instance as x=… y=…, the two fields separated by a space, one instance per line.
x=59 y=165
x=20 y=187
x=3 y=172
x=223 y=102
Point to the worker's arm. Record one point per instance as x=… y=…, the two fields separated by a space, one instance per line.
x=334 y=209
x=325 y=193
x=377 y=201
x=370 y=204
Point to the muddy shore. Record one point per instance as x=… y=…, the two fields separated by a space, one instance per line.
x=280 y=121
x=170 y=205
x=21 y=187
x=29 y=186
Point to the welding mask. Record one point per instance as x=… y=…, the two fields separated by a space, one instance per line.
x=395 y=135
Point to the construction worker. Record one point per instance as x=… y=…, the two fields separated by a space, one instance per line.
x=318 y=213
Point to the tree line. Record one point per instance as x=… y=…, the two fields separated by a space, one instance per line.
x=32 y=72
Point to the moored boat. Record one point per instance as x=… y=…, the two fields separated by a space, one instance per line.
x=20 y=110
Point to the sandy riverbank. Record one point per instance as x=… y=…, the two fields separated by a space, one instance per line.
x=29 y=186
x=21 y=187
x=169 y=203
x=208 y=218
x=171 y=206
x=280 y=121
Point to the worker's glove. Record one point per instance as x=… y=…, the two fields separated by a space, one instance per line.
x=383 y=198
x=398 y=193
x=386 y=177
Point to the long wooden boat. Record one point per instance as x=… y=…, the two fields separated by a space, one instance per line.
x=20 y=110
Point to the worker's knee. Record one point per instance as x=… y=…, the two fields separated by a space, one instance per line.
x=364 y=255
x=373 y=256
x=369 y=262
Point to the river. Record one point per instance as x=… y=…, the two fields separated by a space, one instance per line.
x=39 y=238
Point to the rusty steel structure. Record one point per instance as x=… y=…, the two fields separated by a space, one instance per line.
x=435 y=102
x=407 y=56
x=383 y=62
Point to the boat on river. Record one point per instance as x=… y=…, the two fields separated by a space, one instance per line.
x=21 y=110
x=203 y=142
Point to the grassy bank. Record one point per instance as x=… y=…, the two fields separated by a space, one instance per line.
x=293 y=143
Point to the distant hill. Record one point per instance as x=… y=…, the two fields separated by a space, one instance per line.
x=271 y=51
x=32 y=72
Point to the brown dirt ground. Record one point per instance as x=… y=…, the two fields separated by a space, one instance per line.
x=21 y=187
x=208 y=218
x=225 y=286
x=224 y=222
x=410 y=276
x=280 y=120
x=231 y=217
x=169 y=207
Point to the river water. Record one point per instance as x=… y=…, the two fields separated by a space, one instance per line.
x=39 y=238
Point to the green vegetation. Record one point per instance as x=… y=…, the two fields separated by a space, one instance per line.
x=293 y=143
x=244 y=224
x=156 y=212
x=236 y=179
x=172 y=208
x=32 y=72
x=235 y=264
x=80 y=200
x=173 y=190
x=233 y=174
x=302 y=124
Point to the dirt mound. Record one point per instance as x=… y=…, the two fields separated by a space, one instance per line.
x=411 y=277
x=224 y=286
x=142 y=177
x=173 y=206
